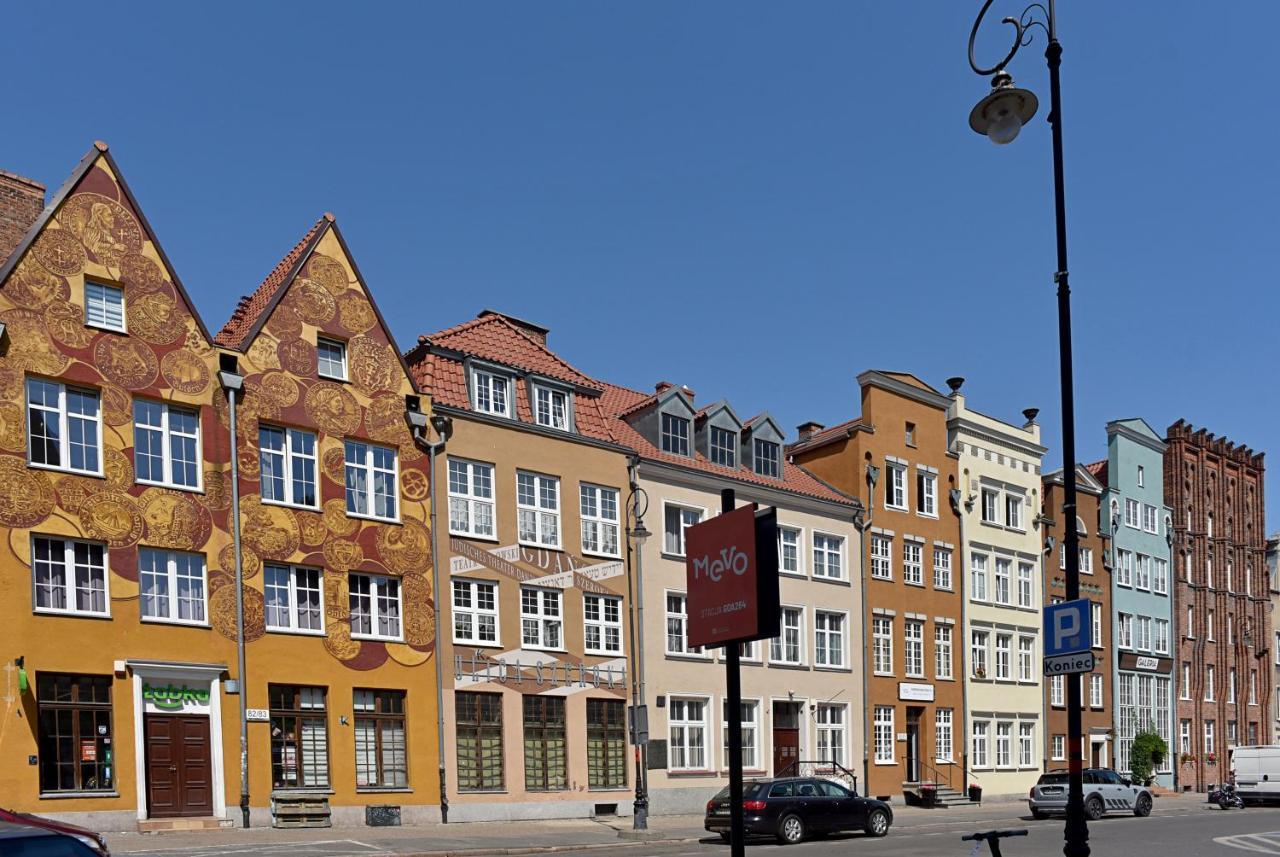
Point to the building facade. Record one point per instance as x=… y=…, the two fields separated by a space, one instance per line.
x=1000 y=536
x=895 y=459
x=1225 y=660
x=536 y=622
x=1097 y=691
x=1273 y=574
x=801 y=691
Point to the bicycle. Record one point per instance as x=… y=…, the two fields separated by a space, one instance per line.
x=992 y=838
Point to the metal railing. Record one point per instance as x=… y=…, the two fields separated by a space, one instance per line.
x=940 y=775
x=826 y=768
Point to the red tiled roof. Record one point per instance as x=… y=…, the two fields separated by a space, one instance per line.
x=1098 y=470
x=251 y=307
x=818 y=438
x=492 y=337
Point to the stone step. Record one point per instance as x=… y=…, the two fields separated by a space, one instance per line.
x=184 y=825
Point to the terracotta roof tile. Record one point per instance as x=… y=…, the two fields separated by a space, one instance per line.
x=250 y=308
x=492 y=337
x=818 y=438
x=1098 y=470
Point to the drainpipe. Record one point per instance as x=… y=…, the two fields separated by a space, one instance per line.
x=956 y=495
x=233 y=382
x=443 y=425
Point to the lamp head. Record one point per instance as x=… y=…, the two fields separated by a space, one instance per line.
x=1001 y=115
x=640 y=533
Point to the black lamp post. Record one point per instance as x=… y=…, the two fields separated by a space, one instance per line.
x=637 y=535
x=1000 y=116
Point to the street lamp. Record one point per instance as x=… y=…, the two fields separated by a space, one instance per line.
x=637 y=505
x=1000 y=116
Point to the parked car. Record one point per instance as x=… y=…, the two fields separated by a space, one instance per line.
x=95 y=842
x=1257 y=773
x=793 y=808
x=1104 y=791
x=28 y=840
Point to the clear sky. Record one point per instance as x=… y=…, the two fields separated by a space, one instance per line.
x=758 y=200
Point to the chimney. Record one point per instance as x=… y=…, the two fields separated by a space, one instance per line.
x=662 y=386
x=536 y=332
x=21 y=201
x=809 y=429
x=688 y=392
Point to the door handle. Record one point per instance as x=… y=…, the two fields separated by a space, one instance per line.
x=173 y=767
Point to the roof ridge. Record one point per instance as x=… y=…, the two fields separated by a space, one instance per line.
x=243 y=317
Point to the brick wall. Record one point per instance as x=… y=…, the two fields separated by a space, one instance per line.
x=21 y=201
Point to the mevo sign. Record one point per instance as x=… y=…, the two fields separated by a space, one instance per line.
x=731 y=566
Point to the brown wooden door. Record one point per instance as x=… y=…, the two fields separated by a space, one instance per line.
x=179 y=776
x=786 y=737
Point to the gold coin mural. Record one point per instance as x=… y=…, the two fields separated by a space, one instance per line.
x=30 y=349
x=414 y=485
x=343 y=554
x=264 y=353
x=328 y=272
x=419 y=626
x=185 y=372
x=72 y=491
x=279 y=388
x=384 y=420
x=140 y=273
x=217 y=489
x=12 y=385
x=250 y=563
x=271 y=531
x=126 y=362
x=13 y=435
x=33 y=287
x=251 y=409
x=59 y=252
x=196 y=344
x=406 y=548
x=332 y=460
x=374 y=368
x=175 y=519
x=106 y=228
x=313 y=301
x=118 y=469
x=337 y=596
x=297 y=356
x=355 y=313
x=333 y=409
x=339 y=643
x=222 y=612
x=336 y=520
x=65 y=321
x=156 y=317
x=26 y=496
x=311 y=525
x=112 y=517
x=117 y=407
x=249 y=463
x=285 y=323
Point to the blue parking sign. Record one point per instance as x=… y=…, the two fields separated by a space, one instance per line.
x=1068 y=628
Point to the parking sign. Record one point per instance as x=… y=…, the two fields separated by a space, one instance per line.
x=1068 y=628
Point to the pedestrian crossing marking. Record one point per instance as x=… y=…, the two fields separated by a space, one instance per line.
x=1259 y=843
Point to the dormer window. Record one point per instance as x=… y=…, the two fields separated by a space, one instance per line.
x=490 y=393
x=768 y=458
x=331 y=358
x=551 y=407
x=723 y=447
x=104 y=306
x=675 y=435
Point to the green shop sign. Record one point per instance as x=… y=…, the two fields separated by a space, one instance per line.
x=175 y=697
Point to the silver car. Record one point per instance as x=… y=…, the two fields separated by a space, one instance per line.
x=1104 y=791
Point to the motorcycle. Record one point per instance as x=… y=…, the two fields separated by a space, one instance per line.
x=1226 y=797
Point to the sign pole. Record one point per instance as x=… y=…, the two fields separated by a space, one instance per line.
x=733 y=686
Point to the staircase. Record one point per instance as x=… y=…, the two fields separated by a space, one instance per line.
x=949 y=797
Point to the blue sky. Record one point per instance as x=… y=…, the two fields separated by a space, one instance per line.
x=759 y=200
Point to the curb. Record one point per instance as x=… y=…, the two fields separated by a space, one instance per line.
x=544 y=849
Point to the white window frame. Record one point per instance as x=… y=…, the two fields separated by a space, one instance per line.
x=687 y=724
x=1124 y=630
x=942 y=571
x=540 y=538
x=684 y=527
x=1132 y=513
x=881 y=645
x=979 y=653
x=598 y=521
x=943 y=641
x=63 y=420
x=294 y=627
x=778 y=644
x=1150 y=519
x=1210 y=680
x=484 y=381
x=979 y=581
x=1026 y=584
x=553 y=395
x=990 y=499
x=323 y=342
x=926 y=492
x=751 y=728
x=1160 y=636
x=473 y=588
x=1058 y=751
x=1057 y=691
x=1004 y=672
x=370 y=471
x=895 y=486
x=825 y=727
x=603 y=624
x=798 y=544
x=884 y=739
x=69 y=577
x=677 y=439
x=1003 y=594
x=1086 y=560
x=170 y=560
x=1096 y=621
x=913 y=562
x=1004 y=744
x=472 y=472
x=1124 y=568
x=686 y=651
x=718 y=450
x=1026 y=659
x=1026 y=744
x=100 y=292
x=823 y=650
x=1095 y=691
x=913 y=648
x=830 y=550
x=980 y=744
x=944 y=725
x=1014 y=505
x=167 y=433
x=287 y=457
x=881 y=556
x=1160 y=576
x=1142 y=572
x=759 y=460
x=543 y=618
x=378 y=582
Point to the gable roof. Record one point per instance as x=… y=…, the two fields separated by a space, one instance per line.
x=492 y=337
x=822 y=438
x=1098 y=470
x=101 y=151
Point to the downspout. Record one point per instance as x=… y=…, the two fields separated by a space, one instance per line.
x=956 y=495
x=233 y=383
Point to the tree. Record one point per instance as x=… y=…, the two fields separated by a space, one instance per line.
x=1147 y=753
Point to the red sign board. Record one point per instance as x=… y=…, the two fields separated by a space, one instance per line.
x=727 y=565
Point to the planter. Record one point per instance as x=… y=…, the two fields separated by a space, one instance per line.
x=928 y=795
x=975 y=794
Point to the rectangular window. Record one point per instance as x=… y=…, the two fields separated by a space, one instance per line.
x=1160 y=577
x=64 y=427
x=1026 y=659
x=941 y=568
x=475 y=612
x=1184 y=687
x=677 y=519
x=1209 y=682
x=73 y=722
x=1209 y=736
x=981 y=732
x=479 y=737
x=1013 y=511
x=598 y=508
x=723 y=445
x=546 y=757
x=942 y=651
x=602 y=624
x=927 y=493
x=1057 y=691
x=832 y=738
x=551 y=407
x=1131 y=514
x=299 y=737
x=1184 y=736
x=1142 y=640
x=1161 y=642
x=1004 y=571
x=1124 y=629
x=789 y=550
x=1004 y=645
x=489 y=393
x=166 y=444
x=287 y=459
x=828 y=632
x=895 y=486
x=686 y=734
x=1142 y=575
x=767 y=458
x=1086 y=560
x=788 y=647
x=883 y=734
x=978 y=653
x=382 y=758
x=677 y=626
x=471 y=498
x=910 y=434
x=675 y=435
x=1231 y=686
x=828 y=557
x=881 y=557
x=541 y=618
x=1141 y=476
x=372 y=474
x=104 y=306
x=912 y=563
x=978 y=573
x=943 y=734
x=1208 y=625
x=1095 y=691
x=1004 y=744
x=1253 y=687
x=1059 y=751
x=1026 y=745
x=1233 y=733
x=538 y=509
x=913 y=648
x=331 y=358
x=69 y=576
x=1150 y=518
x=171 y=586
x=990 y=506
x=1026 y=586
x=375 y=606
x=1124 y=568
x=882 y=645
x=292 y=598
x=606 y=744
x=749 y=718
x=1096 y=609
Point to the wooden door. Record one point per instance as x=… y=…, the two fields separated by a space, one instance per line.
x=786 y=737
x=179 y=773
x=913 y=745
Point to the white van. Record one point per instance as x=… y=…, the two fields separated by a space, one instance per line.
x=1257 y=773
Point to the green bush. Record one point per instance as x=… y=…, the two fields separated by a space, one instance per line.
x=1147 y=753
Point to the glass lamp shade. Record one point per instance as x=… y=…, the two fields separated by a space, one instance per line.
x=1001 y=115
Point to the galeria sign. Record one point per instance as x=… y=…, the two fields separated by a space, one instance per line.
x=730 y=562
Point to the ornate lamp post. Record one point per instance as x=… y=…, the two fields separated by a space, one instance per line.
x=1000 y=116
x=638 y=534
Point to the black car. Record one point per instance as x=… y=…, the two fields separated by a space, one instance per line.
x=792 y=808
x=27 y=840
